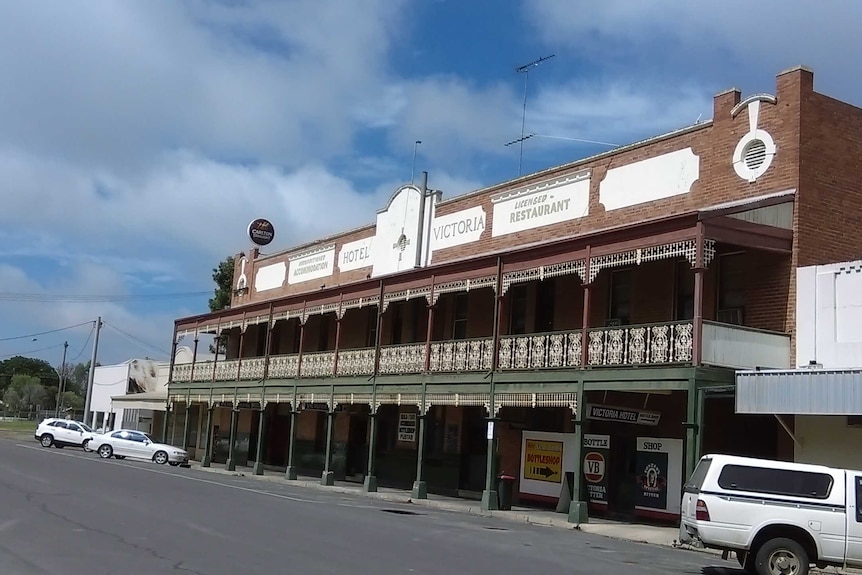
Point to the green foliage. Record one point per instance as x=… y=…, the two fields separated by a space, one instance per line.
x=223 y=278
x=72 y=400
x=25 y=392
x=20 y=365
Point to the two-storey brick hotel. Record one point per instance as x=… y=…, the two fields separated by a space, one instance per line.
x=578 y=328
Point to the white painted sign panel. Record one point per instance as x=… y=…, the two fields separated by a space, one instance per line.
x=542 y=205
x=396 y=240
x=310 y=266
x=356 y=255
x=269 y=277
x=458 y=228
x=649 y=180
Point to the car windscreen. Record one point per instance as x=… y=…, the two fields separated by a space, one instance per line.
x=695 y=482
x=86 y=427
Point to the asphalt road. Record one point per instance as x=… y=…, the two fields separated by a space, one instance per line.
x=65 y=511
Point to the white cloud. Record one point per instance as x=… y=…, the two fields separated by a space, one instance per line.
x=719 y=43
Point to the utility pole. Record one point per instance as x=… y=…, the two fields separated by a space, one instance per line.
x=61 y=385
x=92 y=373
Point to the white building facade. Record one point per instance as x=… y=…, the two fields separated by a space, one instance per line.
x=820 y=401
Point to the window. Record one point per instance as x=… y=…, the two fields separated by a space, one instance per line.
x=87 y=427
x=459 y=324
x=684 y=290
x=120 y=435
x=698 y=475
x=620 y=296
x=397 y=323
x=58 y=424
x=731 y=288
x=72 y=427
x=372 y=327
x=137 y=437
x=775 y=481
x=323 y=336
x=545 y=296
x=858 y=499
x=518 y=310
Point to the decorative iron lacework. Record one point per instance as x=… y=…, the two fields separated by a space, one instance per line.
x=463 y=286
x=638 y=345
x=252 y=368
x=283 y=366
x=544 y=350
x=182 y=372
x=352 y=399
x=406 y=295
x=318 y=364
x=321 y=309
x=255 y=320
x=398 y=399
x=356 y=361
x=456 y=399
x=534 y=400
x=278 y=397
x=685 y=248
x=305 y=399
x=400 y=359
x=542 y=272
x=357 y=303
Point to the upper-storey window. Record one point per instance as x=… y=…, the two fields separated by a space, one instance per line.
x=518 y=309
x=372 y=327
x=684 y=290
x=619 y=311
x=459 y=324
x=397 y=323
x=545 y=296
x=731 y=288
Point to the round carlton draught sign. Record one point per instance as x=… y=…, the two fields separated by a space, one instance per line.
x=261 y=232
x=594 y=467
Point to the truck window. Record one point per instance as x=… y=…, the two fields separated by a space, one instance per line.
x=695 y=482
x=775 y=481
x=858 y=499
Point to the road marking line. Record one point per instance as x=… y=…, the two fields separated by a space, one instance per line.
x=198 y=479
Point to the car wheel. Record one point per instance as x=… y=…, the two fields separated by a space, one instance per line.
x=780 y=556
x=46 y=440
x=160 y=457
x=86 y=446
x=106 y=451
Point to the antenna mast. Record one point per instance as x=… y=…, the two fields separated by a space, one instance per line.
x=525 y=70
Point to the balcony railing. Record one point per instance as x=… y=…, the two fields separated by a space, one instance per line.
x=669 y=343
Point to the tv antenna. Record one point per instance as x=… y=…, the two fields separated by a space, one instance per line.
x=525 y=70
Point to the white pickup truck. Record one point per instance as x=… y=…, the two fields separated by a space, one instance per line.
x=778 y=518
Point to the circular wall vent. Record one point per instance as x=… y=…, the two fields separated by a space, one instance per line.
x=753 y=155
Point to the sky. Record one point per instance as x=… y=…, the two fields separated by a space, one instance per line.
x=143 y=137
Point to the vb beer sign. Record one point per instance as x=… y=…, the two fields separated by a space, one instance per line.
x=596 y=449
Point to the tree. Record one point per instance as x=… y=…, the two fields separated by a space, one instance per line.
x=223 y=277
x=20 y=365
x=25 y=392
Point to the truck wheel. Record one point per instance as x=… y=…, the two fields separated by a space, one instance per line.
x=781 y=556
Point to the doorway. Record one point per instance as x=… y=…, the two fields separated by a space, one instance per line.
x=622 y=475
x=357 y=447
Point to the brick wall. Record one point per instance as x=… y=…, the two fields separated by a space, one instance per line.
x=713 y=142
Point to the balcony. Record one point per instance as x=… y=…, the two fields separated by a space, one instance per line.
x=668 y=344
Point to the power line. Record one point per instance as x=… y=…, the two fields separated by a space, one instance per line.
x=83 y=347
x=44 y=332
x=136 y=339
x=22 y=353
x=95 y=298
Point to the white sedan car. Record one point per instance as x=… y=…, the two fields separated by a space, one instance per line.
x=137 y=445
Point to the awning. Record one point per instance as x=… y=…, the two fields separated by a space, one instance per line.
x=801 y=391
x=155 y=401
